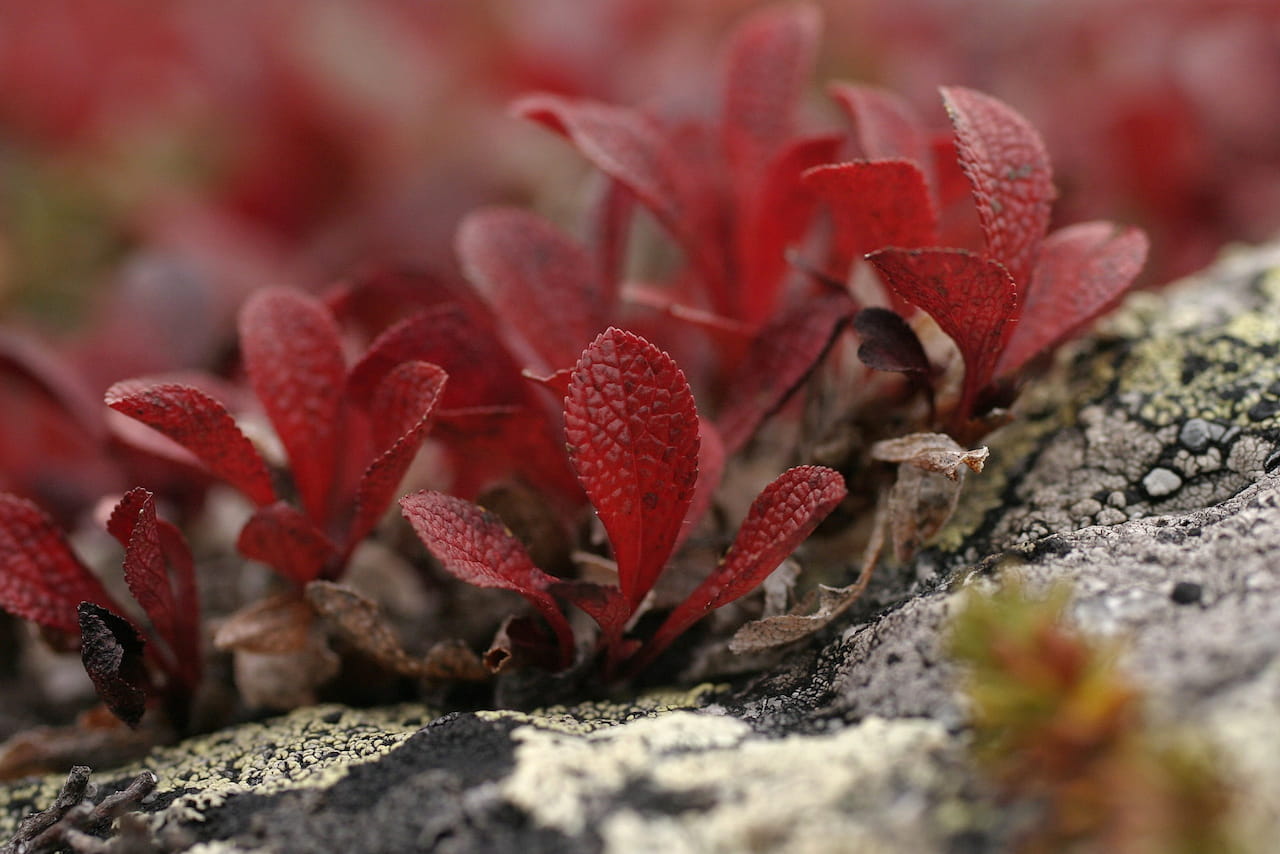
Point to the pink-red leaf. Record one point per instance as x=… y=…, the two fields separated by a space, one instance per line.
x=875 y=204
x=41 y=579
x=887 y=126
x=1082 y=271
x=481 y=372
x=627 y=146
x=200 y=424
x=781 y=517
x=775 y=214
x=542 y=285
x=292 y=352
x=711 y=461
x=146 y=570
x=474 y=546
x=1008 y=167
x=287 y=541
x=632 y=429
x=973 y=299
x=780 y=358
x=769 y=60
x=402 y=414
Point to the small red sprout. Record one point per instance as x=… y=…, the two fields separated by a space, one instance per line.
x=347 y=452
x=634 y=441
x=42 y=580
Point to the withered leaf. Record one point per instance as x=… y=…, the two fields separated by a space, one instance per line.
x=920 y=503
x=112 y=652
x=271 y=626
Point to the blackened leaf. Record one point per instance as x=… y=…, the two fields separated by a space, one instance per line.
x=112 y=652
x=888 y=342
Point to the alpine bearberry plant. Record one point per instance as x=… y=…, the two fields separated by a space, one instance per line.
x=634 y=437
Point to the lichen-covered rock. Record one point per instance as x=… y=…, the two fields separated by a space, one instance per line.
x=1139 y=473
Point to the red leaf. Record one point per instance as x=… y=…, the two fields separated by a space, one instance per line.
x=292 y=352
x=775 y=215
x=1082 y=271
x=632 y=429
x=627 y=146
x=111 y=650
x=402 y=413
x=780 y=358
x=603 y=603
x=481 y=372
x=770 y=58
x=41 y=579
x=287 y=541
x=489 y=444
x=542 y=285
x=875 y=204
x=474 y=546
x=1008 y=167
x=781 y=517
x=711 y=461
x=146 y=570
x=200 y=424
x=973 y=299
x=887 y=126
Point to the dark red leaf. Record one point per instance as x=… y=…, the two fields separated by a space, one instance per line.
x=782 y=516
x=774 y=215
x=542 y=285
x=292 y=352
x=973 y=299
x=474 y=546
x=769 y=60
x=1082 y=271
x=888 y=342
x=711 y=461
x=875 y=204
x=490 y=444
x=402 y=414
x=287 y=541
x=200 y=424
x=58 y=380
x=780 y=358
x=41 y=579
x=557 y=383
x=632 y=429
x=1006 y=162
x=603 y=603
x=112 y=653
x=481 y=372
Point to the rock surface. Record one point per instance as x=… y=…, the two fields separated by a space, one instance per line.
x=1139 y=473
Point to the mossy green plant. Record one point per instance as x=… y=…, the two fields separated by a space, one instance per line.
x=1062 y=734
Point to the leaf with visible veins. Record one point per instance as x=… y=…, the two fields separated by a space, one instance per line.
x=632 y=429
x=782 y=516
x=1008 y=167
x=286 y=540
x=474 y=546
x=402 y=412
x=973 y=299
x=41 y=579
x=292 y=352
x=1082 y=271
x=200 y=424
x=875 y=204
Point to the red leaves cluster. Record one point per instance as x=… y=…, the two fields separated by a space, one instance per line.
x=634 y=441
x=42 y=580
x=347 y=451
x=1024 y=292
